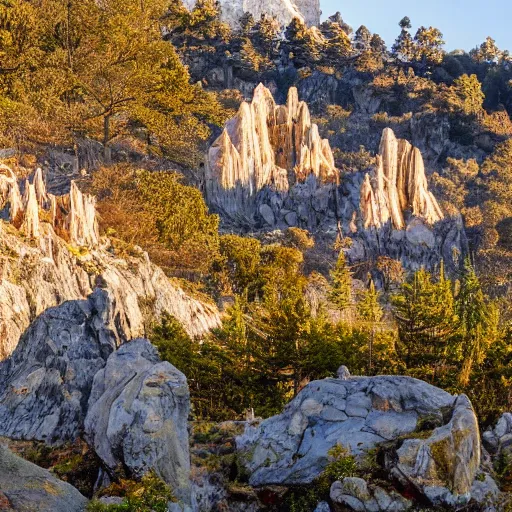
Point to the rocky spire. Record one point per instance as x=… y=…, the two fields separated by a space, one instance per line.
x=399 y=184
x=31 y=211
x=40 y=188
x=10 y=195
x=265 y=145
x=72 y=215
x=83 y=225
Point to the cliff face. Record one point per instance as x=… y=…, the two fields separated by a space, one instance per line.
x=283 y=10
x=50 y=256
x=271 y=169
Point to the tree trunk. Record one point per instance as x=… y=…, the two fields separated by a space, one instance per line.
x=107 y=153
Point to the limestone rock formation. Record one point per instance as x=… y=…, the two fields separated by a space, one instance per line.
x=283 y=10
x=73 y=214
x=356 y=494
x=362 y=413
x=399 y=184
x=48 y=271
x=137 y=416
x=359 y=413
x=27 y=487
x=46 y=383
x=498 y=439
x=267 y=147
x=443 y=466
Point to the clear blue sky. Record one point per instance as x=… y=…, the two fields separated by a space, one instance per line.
x=464 y=23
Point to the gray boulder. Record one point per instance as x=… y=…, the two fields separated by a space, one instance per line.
x=357 y=495
x=498 y=440
x=359 y=413
x=25 y=487
x=485 y=493
x=45 y=384
x=137 y=416
x=443 y=466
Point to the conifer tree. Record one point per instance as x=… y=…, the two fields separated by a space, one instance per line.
x=478 y=322
x=404 y=48
x=266 y=36
x=466 y=94
x=341 y=291
x=338 y=46
x=370 y=311
x=426 y=316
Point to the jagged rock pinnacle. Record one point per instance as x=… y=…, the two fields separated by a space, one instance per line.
x=73 y=214
x=265 y=145
x=399 y=184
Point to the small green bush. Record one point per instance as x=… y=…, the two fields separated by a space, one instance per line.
x=150 y=494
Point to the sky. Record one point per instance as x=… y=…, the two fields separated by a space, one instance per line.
x=464 y=23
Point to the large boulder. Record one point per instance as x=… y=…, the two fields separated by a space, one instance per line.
x=429 y=438
x=25 y=487
x=358 y=412
x=137 y=417
x=45 y=384
x=444 y=465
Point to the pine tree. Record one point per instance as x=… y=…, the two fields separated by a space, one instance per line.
x=478 y=322
x=341 y=291
x=428 y=47
x=466 y=94
x=368 y=307
x=404 y=47
x=338 y=46
x=370 y=311
x=362 y=39
x=266 y=36
x=488 y=52
x=426 y=316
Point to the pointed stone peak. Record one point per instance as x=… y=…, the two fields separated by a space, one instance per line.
x=399 y=185
x=73 y=215
x=266 y=145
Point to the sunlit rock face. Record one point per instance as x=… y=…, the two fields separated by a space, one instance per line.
x=72 y=215
x=270 y=169
x=284 y=11
x=50 y=252
x=399 y=185
x=274 y=149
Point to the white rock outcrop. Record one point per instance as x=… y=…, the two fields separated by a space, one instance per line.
x=72 y=215
x=137 y=416
x=265 y=145
x=399 y=184
x=358 y=413
x=64 y=258
x=308 y=11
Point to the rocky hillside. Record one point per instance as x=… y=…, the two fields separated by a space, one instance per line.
x=271 y=169
x=50 y=251
x=354 y=443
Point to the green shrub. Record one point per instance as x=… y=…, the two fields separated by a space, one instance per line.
x=150 y=494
